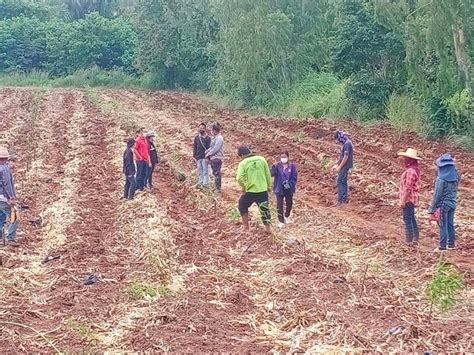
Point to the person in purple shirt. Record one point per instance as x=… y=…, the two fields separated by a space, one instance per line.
x=285 y=177
x=7 y=196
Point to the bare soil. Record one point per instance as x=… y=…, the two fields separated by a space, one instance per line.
x=174 y=270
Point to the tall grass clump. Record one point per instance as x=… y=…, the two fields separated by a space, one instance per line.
x=444 y=286
x=405 y=114
x=92 y=77
x=318 y=95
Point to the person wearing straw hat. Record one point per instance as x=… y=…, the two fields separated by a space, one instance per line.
x=7 y=196
x=153 y=153
x=408 y=194
x=444 y=199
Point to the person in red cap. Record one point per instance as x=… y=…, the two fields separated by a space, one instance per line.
x=408 y=194
x=142 y=158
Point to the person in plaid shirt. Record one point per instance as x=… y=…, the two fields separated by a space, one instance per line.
x=409 y=194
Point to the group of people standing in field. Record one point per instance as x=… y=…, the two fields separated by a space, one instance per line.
x=139 y=161
x=257 y=179
x=444 y=201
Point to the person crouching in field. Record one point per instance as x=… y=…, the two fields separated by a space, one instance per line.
x=285 y=178
x=409 y=190
x=7 y=197
x=142 y=158
x=253 y=176
x=444 y=201
x=201 y=144
x=344 y=164
x=129 y=170
x=153 y=154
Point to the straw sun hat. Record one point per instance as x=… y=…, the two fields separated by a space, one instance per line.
x=4 y=154
x=410 y=153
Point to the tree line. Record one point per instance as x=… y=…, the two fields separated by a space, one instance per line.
x=405 y=61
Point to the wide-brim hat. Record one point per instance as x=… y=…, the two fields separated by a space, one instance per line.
x=444 y=160
x=410 y=153
x=4 y=154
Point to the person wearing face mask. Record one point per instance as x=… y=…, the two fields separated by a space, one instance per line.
x=201 y=144
x=285 y=177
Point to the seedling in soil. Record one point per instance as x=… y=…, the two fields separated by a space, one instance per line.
x=444 y=286
x=83 y=330
x=325 y=164
x=299 y=137
x=233 y=214
x=139 y=290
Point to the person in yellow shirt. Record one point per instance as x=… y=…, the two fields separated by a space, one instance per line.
x=253 y=176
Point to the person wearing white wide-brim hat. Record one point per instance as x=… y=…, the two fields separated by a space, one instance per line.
x=410 y=183
x=7 y=194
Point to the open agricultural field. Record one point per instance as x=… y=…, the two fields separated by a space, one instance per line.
x=175 y=273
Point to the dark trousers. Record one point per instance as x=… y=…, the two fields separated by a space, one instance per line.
x=342 y=187
x=261 y=199
x=142 y=167
x=130 y=187
x=447 y=234
x=149 y=175
x=216 y=165
x=281 y=199
x=412 y=233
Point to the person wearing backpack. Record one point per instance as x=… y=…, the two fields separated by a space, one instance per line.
x=201 y=144
x=7 y=197
x=409 y=190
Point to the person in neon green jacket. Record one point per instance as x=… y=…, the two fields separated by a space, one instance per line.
x=253 y=176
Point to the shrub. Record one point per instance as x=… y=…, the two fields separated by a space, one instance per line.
x=318 y=95
x=406 y=114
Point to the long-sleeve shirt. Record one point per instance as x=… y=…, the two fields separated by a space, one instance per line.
x=200 y=146
x=253 y=174
x=216 y=151
x=141 y=149
x=281 y=175
x=128 y=162
x=153 y=152
x=410 y=186
x=445 y=194
x=7 y=186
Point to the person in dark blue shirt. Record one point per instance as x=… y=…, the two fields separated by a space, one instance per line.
x=344 y=164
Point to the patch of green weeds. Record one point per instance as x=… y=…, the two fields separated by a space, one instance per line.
x=444 y=286
x=140 y=290
x=83 y=330
x=299 y=137
x=234 y=214
x=325 y=164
